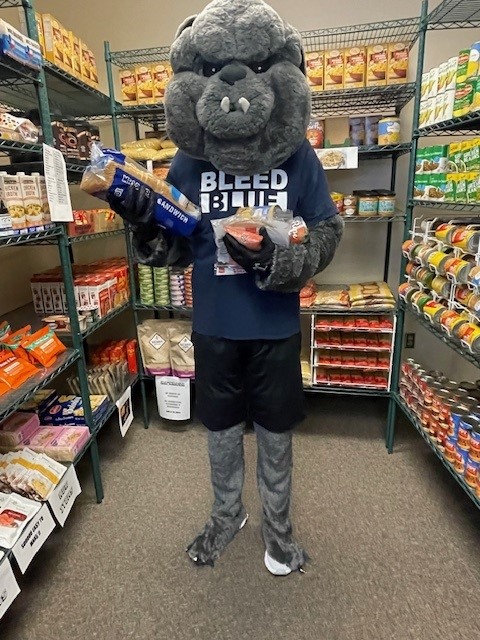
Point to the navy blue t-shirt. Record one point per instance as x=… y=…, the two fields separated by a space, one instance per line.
x=233 y=306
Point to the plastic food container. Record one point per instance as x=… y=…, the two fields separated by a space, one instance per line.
x=350 y=205
x=367 y=204
x=386 y=203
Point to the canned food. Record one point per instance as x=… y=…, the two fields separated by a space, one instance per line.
x=389 y=131
x=441 y=286
x=474 y=276
x=457 y=414
x=425 y=276
x=461 y=457
x=452 y=321
x=466 y=239
x=465 y=427
x=420 y=299
x=475 y=443
x=407 y=246
x=458 y=268
x=471 y=472
x=438 y=260
x=406 y=290
x=470 y=334
x=433 y=309
x=444 y=232
x=450 y=448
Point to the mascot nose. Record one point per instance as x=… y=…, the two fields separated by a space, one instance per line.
x=232 y=72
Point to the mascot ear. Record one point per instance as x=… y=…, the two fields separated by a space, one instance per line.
x=185 y=24
x=303 y=69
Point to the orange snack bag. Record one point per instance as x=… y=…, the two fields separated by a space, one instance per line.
x=43 y=346
x=13 y=342
x=13 y=371
x=246 y=236
x=132 y=356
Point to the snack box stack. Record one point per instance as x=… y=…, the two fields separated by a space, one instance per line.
x=103 y=284
x=93 y=221
x=161 y=286
x=452 y=89
x=145 y=84
x=449 y=173
x=29 y=474
x=18 y=47
x=68 y=411
x=188 y=287
x=177 y=287
x=66 y=50
x=114 y=351
x=449 y=413
x=357 y=67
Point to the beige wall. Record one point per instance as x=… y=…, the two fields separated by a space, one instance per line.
x=146 y=23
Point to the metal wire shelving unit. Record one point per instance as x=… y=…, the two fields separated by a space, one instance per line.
x=450 y=14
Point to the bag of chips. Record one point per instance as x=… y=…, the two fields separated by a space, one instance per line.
x=155 y=346
x=181 y=349
x=14 y=371
x=43 y=346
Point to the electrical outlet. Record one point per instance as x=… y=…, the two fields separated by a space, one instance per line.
x=409 y=341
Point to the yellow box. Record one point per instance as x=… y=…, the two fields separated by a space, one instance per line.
x=377 y=62
x=128 y=87
x=161 y=74
x=85 y=63
x=76 y=55
x=397 y=63
x=41 y=35
x=143 y=75
x=67 y=50
x=314 y=66
x=53 y=33
x=334 y=69
x=93 y=69
x=355 y=66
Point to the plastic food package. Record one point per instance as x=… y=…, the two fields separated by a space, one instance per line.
x=17 y=129
x=15 y=512
x=181 y=349
x=14 y=371
x=155 y=346
x=282 y=227
x=112 y=172
x=43 y=346
x=31 y=474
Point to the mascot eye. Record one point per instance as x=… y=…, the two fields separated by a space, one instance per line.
x=209 y=69
x=261 y=67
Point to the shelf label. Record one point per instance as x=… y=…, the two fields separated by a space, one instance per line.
x=33 y=538
x=57 y=185
x=64 y=495
x=173 y=397
x=125 y=411
x=9 y=588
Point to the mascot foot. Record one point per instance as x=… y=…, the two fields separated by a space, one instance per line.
x=217 y=534
x=283 y=557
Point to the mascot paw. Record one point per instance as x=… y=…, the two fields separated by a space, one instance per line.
x=285 y=556
x=213 y=540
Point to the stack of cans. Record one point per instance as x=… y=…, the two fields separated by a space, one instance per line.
x=177 y=288
x=188 y=287
x=161 y=286
x=145 y=281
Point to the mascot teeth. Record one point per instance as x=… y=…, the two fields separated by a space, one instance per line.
x=225 y=104
x=244 y=104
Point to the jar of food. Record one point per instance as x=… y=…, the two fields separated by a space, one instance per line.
x=386 y=203
x=367 y=204
x=389 y=131
x=350 y=205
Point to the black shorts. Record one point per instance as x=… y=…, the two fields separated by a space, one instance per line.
x=260 y=379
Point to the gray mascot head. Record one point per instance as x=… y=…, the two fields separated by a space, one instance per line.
x=238 y=97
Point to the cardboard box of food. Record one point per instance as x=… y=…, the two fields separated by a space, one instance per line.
x=67 y=50
x=85 y=63
x=93 y=69
x=53 y=34
x=334 y=69
x=128 y=87
x=41 y=35
x=377 y=62
x=11 y=194
x=32 y=203
x=355 y=67
x=314 y=66
x=76 y=55
x=161 y=74
x=397 y=62
x=143 y=74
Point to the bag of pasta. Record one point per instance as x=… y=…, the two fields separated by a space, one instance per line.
x=137 y=195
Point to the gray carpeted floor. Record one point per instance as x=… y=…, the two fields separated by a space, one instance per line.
x=394 y=544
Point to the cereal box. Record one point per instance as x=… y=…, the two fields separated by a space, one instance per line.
x=451 y=79
x=93 y=68
x=85 y=63
x=462 y=65
x=334 y=69
x=451 y=187
x=76 y=55
x=455 y=157
x=472 y=187
x=161 y=74
x=355 y=66
x=31 y=202
x=397 y=62
x=11 y=194
x=41 y=35
x=463 y=99
x=377 y=62
x=144 y=78
x=128 y=87
x=67 y=50
x=314 y=64
x=53 y=33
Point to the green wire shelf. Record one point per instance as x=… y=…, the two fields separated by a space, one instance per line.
x=100 y=323
x=131 y=381
x=12 y=400
x=132 y=57
x=415 y=422
x=96 y=236
x=398 y=217
x=376 y=152
x=49 y=236
x=346 y=102
x=14 y=74
x=304 y=310
x=464 y=125
x=6 y=4
x=348 y=391
x=449 y=206
x=455 y=14
x=454 y=344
